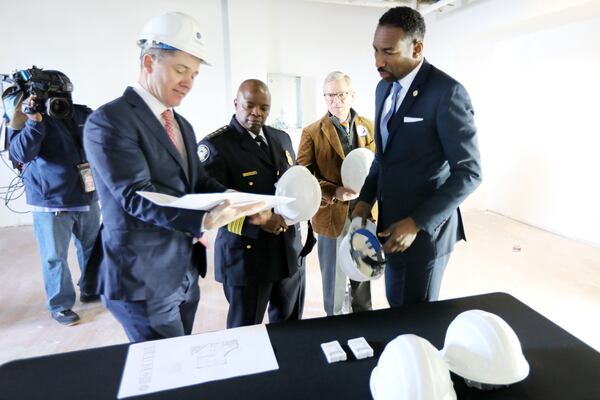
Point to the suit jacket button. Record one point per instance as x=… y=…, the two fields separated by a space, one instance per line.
x=250 y=183
x=248 y=246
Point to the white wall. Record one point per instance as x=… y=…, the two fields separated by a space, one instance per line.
x=93 y=42
x=531 y=68
x=318 y=39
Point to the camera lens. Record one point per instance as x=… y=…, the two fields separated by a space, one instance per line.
x=58 y=107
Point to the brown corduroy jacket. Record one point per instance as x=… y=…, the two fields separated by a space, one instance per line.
x=321 y=151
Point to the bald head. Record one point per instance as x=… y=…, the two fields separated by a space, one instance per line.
x=253 y=85
x=252 y=105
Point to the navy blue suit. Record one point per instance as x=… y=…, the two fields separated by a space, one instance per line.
x=146 y=250
x=246 y=257
x=428 y=168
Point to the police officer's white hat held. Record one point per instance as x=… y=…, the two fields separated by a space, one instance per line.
x=299 y=183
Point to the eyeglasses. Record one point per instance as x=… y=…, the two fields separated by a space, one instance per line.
x=341 y=96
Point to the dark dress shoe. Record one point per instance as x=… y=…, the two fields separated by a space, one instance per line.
x=89 y=298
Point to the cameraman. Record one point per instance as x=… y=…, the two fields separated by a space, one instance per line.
x=62 y=197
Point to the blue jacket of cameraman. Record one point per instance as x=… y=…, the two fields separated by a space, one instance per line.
x=50 y=151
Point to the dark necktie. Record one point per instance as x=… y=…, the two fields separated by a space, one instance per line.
x=262 y=144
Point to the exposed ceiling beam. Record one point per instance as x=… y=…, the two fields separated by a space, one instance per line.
x=424 y=6
x=426 y=9
x=369 y=3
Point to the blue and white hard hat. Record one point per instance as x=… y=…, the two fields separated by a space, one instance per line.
x=360 y=254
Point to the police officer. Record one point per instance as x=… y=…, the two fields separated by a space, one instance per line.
x=259 y=265
x=60 y=190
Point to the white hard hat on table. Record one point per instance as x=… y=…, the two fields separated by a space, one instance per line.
x=174 y=31
x=411 y=368
x=484 y=350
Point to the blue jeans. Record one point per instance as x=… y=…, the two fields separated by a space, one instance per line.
x=53 y=235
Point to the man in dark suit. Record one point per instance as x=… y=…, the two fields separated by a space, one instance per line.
x=259 y=265
x=427 y=160
x=147 y=269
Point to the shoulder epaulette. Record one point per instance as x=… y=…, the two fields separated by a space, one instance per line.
x=217 y=132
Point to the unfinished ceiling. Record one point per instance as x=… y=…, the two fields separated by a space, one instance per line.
x=424 y=6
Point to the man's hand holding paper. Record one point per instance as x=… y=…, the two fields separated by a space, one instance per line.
x=226 y=212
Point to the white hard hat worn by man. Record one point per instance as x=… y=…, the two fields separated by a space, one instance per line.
x=174 y=31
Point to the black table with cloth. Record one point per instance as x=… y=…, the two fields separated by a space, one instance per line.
x=562 y=367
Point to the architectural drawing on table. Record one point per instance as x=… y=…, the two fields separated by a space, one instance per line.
x=145 y=377
x=213 y=354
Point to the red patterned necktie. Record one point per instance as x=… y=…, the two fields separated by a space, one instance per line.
x=169 y=125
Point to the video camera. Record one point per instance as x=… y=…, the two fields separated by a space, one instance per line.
x=52 y=91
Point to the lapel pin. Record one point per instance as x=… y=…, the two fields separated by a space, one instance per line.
x=415 y=93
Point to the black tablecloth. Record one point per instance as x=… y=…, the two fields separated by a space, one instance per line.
x=562 y=367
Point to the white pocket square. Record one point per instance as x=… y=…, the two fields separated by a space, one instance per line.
x=412 y=119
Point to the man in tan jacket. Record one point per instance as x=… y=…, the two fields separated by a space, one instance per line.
x=323 y=146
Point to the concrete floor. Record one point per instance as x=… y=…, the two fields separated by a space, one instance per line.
x=558 y=277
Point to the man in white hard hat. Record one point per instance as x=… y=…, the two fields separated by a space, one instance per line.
x=148 y=273
x=259 y=265
x=323 y=146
